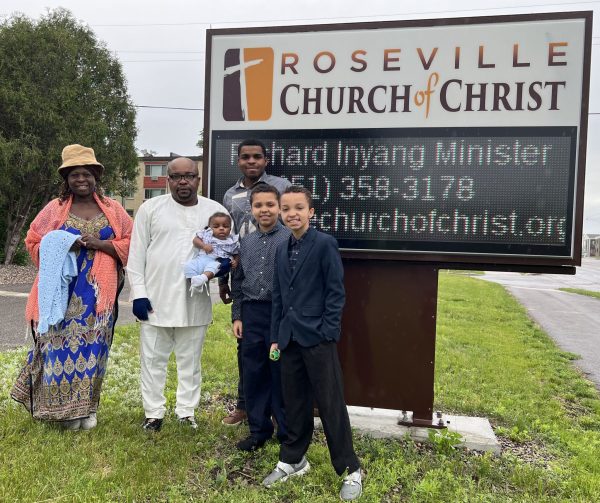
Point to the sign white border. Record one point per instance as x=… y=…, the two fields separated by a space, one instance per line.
x=507 y=54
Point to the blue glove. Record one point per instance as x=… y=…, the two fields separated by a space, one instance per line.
x=141 y=308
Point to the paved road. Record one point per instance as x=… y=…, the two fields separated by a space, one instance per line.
x=13 y=299
x=572 y=320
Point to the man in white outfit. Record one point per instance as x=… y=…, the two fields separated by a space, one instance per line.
x=172 y=319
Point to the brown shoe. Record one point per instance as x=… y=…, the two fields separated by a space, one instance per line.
x=237 y=417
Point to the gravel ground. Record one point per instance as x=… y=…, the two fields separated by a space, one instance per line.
x=530 y=452
x=17 y=274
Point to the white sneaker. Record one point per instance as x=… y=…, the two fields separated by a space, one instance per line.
x=351 y=486
x=71 y=425
x=284 y=471
x=87 y=423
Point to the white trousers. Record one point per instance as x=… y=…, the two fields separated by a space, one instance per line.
x=156 y=346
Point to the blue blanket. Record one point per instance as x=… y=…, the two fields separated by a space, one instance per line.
x=58 y=266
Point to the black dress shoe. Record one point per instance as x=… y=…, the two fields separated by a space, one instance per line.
x=250 y=444
x=152 y=424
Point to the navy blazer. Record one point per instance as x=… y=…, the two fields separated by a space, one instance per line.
x=308 y=303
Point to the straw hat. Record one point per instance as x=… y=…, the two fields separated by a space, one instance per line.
x=78 y=155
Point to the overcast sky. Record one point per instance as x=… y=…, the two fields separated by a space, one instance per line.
x=161 y=45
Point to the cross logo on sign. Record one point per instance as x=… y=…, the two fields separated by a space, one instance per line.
x=248 y=84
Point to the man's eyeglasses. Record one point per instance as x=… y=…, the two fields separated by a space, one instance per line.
x=187 y=177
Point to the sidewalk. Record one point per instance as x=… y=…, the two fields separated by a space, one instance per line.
x=571 y=320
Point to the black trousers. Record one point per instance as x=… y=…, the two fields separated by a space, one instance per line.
x=241 y=401
x=314 y=374
x=262 y=377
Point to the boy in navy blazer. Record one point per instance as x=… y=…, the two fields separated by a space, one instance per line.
x=308 y=298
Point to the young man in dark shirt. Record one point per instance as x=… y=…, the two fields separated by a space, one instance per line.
x=252 y=163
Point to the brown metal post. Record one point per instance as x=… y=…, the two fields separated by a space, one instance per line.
x=387 y=348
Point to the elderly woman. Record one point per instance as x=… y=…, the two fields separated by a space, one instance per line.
x=63 y=375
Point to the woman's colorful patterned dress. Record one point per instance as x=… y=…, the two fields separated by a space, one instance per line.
x=63 y=375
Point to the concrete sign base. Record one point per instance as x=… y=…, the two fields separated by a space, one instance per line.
x=476 y=432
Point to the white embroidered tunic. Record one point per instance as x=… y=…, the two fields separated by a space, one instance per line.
x=161 y=243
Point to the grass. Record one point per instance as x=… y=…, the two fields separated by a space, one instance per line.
x=463 y=272
x=581 y=291
x=491 y=361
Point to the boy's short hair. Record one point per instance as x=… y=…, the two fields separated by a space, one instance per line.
x=219 y=214
x=252 y=143
x=299 y=189
x=264 y=188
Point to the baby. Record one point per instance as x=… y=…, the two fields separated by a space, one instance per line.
x=218 y=251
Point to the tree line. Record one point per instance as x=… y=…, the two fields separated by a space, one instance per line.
x=59 y=85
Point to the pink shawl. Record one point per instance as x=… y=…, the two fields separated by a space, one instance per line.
x=104 y=270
